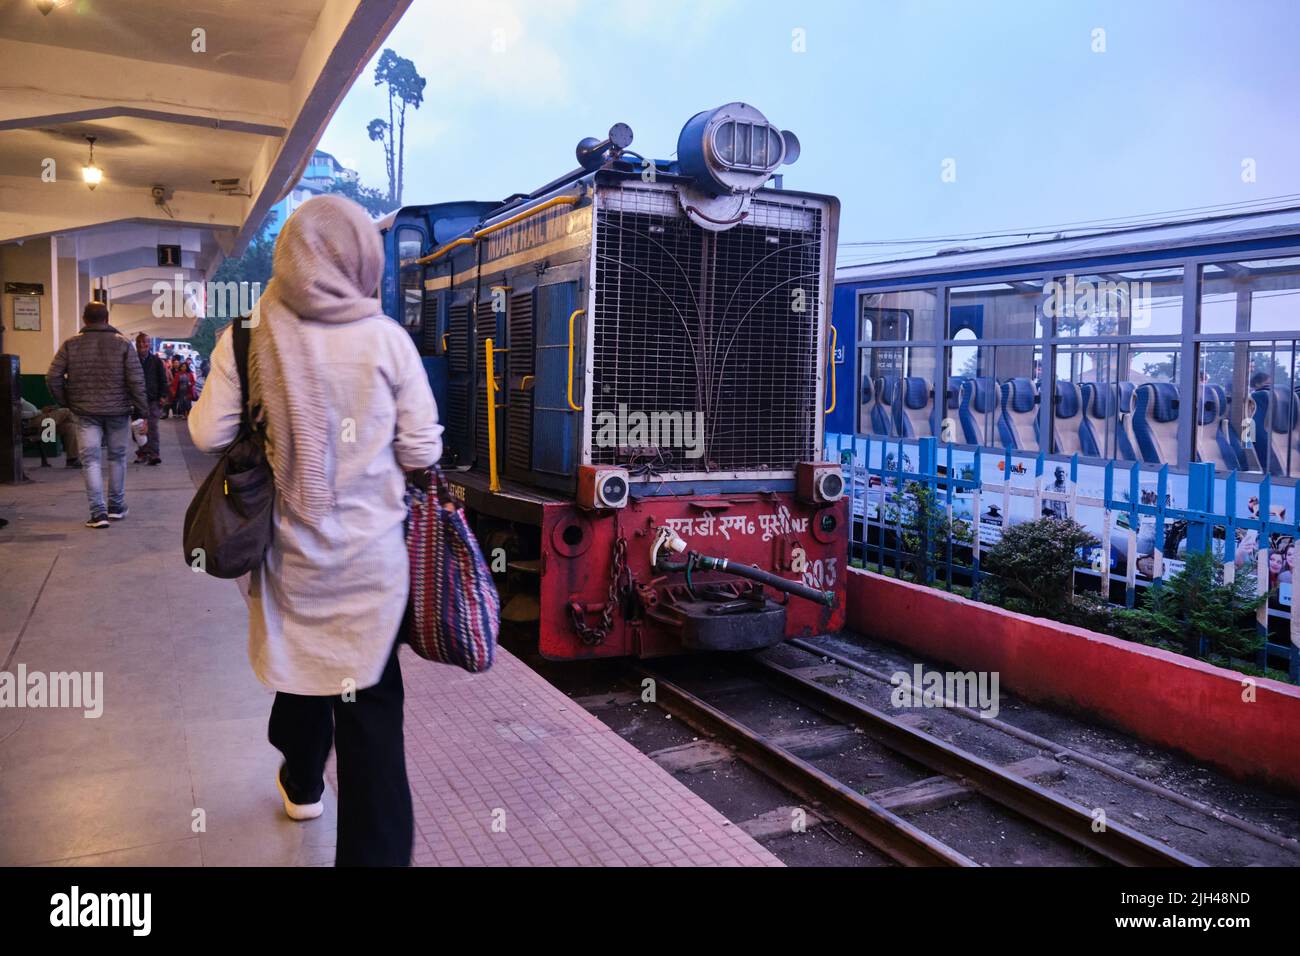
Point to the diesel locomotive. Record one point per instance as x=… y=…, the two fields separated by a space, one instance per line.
x=630 y=363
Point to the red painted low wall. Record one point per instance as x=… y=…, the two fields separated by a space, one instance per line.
x=1157 y=695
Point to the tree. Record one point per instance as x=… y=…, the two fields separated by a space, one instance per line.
x=379 y=133
x=1195 y=604
x=253 y=267
x=255 y=264
x=372 y=200
x=405 y=88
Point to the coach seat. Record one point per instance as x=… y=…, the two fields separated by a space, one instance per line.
x=1018 y=424
x=976 y=401
x=1067 y=419
x=1155 y=423
x=1275 y=428
x=914 y=411
x=867 y=404
x=1213 y=442
x=884 y=417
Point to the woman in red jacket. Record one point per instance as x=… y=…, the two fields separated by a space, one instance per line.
x=183 y=392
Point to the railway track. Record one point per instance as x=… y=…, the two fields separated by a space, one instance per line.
x=869 y=818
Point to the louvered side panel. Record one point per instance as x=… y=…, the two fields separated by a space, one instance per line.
x=429 y=321
x=460 y=384
x=458 y=338
x=519 y=409
x=485 y=325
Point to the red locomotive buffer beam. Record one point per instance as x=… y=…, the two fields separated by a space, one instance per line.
x=602 y=595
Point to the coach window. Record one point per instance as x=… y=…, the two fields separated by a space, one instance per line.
x=994 y=363
x=898 y=333
x=1247 y=408
x=1251 y=296
x=1124 y=302
x=992 y=394
x=1000 y=310
x=1086 y=406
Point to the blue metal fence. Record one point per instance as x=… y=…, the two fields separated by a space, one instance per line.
x=878 y=470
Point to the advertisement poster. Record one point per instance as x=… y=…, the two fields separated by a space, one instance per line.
x=1009 y=496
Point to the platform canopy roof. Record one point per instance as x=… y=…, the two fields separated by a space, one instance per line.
x=177 y=95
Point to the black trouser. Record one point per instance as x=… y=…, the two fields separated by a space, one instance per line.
x=375 y=818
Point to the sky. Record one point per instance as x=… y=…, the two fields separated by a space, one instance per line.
x=926 y=119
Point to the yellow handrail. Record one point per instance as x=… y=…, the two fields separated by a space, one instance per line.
x=443 y=250
x=835 y=338
x=494 y=481
x=487 y=231
x=576 y=313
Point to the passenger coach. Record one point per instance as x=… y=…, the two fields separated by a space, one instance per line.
x=1160 y=345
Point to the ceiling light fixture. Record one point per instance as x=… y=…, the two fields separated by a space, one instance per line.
x=91 y=173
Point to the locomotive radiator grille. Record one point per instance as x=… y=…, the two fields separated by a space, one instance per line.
x=724 y=324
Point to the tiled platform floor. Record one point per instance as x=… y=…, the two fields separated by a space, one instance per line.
x=504 y=768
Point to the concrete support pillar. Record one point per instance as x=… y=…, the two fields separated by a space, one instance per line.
x=34 y=261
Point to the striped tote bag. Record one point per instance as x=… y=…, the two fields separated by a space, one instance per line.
x=455 y=612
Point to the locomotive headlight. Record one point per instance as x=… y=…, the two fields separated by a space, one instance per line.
x=830 y=485
x=733 y=149
x=819 y=482
x=612 y=492
x=601 y=486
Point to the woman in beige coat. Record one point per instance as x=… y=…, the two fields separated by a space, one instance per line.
x=348 y=409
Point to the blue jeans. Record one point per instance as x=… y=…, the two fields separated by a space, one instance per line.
x=92 y=432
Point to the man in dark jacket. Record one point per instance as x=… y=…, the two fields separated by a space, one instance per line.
x=155 y=389
x=97 y=375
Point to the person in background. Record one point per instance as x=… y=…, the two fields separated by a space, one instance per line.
x=326 y=605
x=65 y=425
x=97 y=375
x=183 y=393
x=155 y=389
x=172 y=365
x=1260 y=380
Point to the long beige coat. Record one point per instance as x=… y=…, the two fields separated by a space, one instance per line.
x=324 y=608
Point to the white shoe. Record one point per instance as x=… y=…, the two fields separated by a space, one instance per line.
x=298 y=811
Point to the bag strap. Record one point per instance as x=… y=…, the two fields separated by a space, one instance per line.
x=241 y=337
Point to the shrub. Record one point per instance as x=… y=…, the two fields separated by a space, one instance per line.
x=923 y=529
x=1031 y=570
x=1196 y=603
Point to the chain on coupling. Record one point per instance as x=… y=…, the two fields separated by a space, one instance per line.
x=596 y=635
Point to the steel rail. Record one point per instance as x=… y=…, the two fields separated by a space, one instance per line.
x=1059 y=749
x=886 y=831
x=1113 y=841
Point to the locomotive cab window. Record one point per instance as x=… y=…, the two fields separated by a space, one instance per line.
x=410 y=246
x=412 y=297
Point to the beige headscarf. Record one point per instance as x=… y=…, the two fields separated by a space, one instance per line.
x=327 y=265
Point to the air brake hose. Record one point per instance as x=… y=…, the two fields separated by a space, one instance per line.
x=704 y=561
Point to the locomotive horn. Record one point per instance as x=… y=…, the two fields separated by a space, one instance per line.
x=591 y=151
